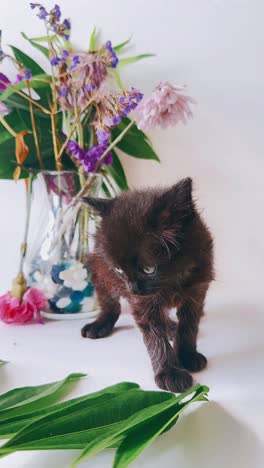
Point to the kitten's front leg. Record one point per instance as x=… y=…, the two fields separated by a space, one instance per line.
x=152 y=323
x=185 y=343
x=109 y=313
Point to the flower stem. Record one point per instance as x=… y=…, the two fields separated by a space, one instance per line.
x=34 y=129
x=89 y=182
x=7 y=126
x=17 y=91
x=87 y=186
x=28 y=211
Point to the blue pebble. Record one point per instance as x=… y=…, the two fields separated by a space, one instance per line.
x=88 y=291
x=72 y=308
x=77 y=296
x=54 y=308
x=55 y=273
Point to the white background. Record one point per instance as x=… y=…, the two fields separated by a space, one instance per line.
x=216 y=48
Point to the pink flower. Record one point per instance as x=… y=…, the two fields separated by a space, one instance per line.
x=166 y=106
x=12 y=310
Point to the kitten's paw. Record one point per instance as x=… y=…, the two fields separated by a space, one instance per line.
x=193 y=361
x=96 y=330
x=174 y=379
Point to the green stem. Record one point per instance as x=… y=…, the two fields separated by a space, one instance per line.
x=28 y=211
x=84 y=214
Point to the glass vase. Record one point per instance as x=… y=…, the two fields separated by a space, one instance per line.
x=60 y=240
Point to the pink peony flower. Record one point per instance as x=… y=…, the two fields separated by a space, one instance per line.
x=12 y=310
x=166 y=106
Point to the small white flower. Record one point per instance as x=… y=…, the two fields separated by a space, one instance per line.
x=74 y=277
x=45 y=284
x=63 y=302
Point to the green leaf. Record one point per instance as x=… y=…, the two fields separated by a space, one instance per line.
x=136 y=441
x=106 y=191
x=35 y=69
x=93 y=38
x=140 y=419
x=135 y=142
x=2 y=363
x=116 y=75
x=80 y=424
x=27 y=61
x=24 y=400
x=128 y=60
x=41 y=48
x=39 y=81
x=142 y=436
x=117 y=172
x=14 y=424
x=41 y=38
x=20 y=120
x=120 y=46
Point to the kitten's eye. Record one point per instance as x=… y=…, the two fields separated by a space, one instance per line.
x=150 y=270
x=118 y=270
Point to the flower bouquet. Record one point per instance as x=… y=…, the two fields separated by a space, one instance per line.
x=62 y=130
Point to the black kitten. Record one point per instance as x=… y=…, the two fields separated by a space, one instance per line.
x=153 y=248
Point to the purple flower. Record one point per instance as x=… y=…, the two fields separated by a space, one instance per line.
x=122 y=100
x=63 y=91
x=27 y=74
x=76 y=150
x=33 y=5
x=75 y=62
x=93 y=155
x=57 y=12
x=42 y=14
x=90 y=87
x=114 y=58
x=102 y=136
x=4 y=81
x=116 y=119
x=67 y=23
x=54 y=61
x=65 y=52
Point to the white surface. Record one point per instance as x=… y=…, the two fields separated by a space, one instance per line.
x=227 y=432
x=215 y=47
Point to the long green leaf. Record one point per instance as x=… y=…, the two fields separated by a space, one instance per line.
x=135 y=142
x=40 y=38
x=20 y=120
x=37 y=82
x=41 y=48
x=14 y=424
x=93 y=38
x=117 y=172
x=76 y=426
x=120 y=46
x=21 y=401
x=128 y=60
x=141 y=437
x=35 y=69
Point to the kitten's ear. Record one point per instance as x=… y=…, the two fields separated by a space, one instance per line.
x=176 y=203
x=101 y=205
x=180 y=195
